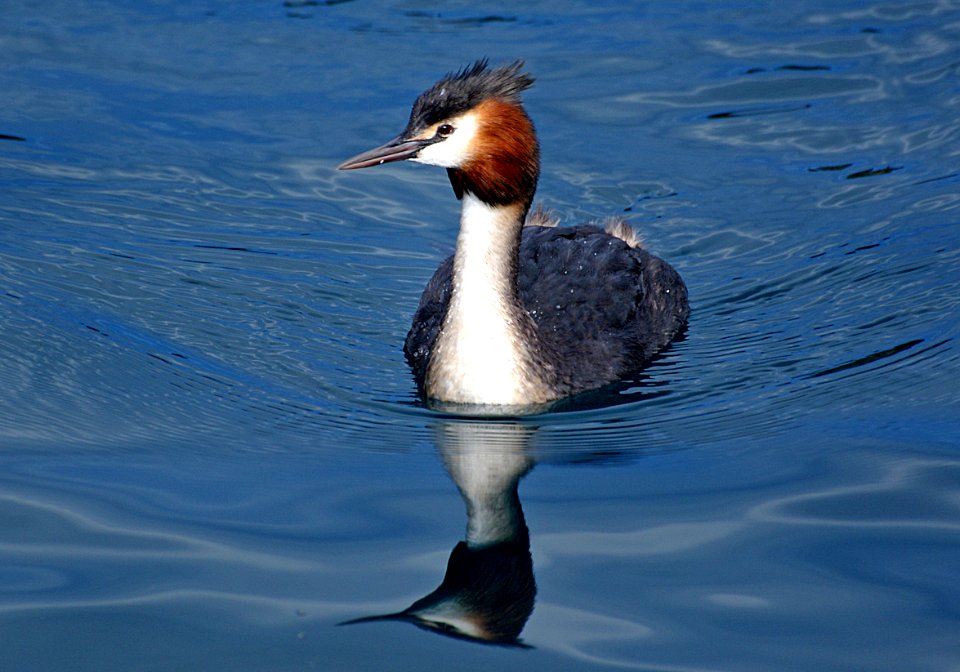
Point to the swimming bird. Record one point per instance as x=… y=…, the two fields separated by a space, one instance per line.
x=524 y=312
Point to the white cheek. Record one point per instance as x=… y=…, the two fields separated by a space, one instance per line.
x=455 y=150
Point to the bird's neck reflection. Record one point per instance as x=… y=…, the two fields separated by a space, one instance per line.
x=488 y=591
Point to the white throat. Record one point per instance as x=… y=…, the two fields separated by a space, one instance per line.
x=479 y=356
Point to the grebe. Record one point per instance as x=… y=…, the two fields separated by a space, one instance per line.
x=523 y=312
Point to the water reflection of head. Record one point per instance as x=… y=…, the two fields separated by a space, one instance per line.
x=488 y=591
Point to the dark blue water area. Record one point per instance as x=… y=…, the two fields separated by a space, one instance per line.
x=211 y=448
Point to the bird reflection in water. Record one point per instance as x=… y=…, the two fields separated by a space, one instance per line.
x=488 y=591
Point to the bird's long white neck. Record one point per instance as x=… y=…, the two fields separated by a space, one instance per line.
x=480 y=356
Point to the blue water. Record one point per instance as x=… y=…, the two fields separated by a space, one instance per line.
x=211 y=449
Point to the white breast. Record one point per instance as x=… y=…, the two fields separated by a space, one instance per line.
x=478 y=358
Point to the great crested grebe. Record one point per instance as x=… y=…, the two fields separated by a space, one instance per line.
x=523 y=312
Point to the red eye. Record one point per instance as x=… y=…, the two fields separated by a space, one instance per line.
x=445 y=130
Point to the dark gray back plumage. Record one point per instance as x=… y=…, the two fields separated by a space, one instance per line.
x=602 y=308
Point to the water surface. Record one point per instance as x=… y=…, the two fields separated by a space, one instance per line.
x=213 y=452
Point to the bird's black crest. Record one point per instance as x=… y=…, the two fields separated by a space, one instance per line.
x=458 y=92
